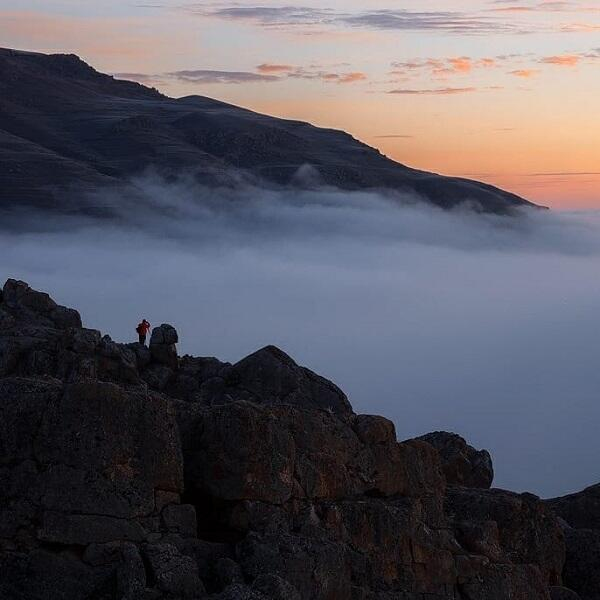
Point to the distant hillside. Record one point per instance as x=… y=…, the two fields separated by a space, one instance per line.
x=64 y=126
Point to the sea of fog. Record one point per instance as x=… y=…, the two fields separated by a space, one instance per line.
x=483 y=325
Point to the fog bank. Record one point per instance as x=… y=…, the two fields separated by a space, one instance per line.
x=483 y=325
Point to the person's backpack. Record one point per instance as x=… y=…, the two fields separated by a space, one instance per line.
x=139 y=329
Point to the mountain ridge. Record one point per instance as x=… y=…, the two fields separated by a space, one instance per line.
x=65 y=127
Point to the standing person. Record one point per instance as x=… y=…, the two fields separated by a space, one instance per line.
x=142 y=329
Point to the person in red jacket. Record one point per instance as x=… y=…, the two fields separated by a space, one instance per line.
x=142 y=329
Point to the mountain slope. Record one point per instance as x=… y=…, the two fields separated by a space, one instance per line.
x=64 y=126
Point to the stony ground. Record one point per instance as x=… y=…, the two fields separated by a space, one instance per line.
x=131 y=473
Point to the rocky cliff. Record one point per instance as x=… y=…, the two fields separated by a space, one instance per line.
x=131 y=473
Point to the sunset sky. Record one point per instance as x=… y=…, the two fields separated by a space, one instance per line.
x=503 y=91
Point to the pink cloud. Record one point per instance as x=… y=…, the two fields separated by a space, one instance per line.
x=524 y=73
x=562 y=60
x=274 y=68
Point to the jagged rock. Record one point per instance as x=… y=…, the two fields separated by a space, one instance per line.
x=580 y=513
x=270 y=376
x=462 y=464
x=580 y=510
x=129 y=474
x=502 y=582
x=528 y=532
x=84 y=460
x=244 y=451
x=18 y=294
x=162 y=346
x=374 y=430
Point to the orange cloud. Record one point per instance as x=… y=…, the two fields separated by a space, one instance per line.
x=272 y=68
x=562 y=60
x=352 y=77
x=462 y=64
x=524 y=73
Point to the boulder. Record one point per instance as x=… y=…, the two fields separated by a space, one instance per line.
x=162 y=346
x=270 y=376
x=462 y=464
x=19 y=296
x=374 y=430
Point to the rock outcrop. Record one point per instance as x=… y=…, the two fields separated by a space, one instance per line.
x=462 y=464
x=580 y=518
x=130 y=473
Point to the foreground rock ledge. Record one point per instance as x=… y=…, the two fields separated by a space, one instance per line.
x=130 y=473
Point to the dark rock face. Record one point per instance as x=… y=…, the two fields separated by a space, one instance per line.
x=580 y=514
x=462 y=464
x=519 y=525
x=582 y=568
x=63 y=125
x=125 y=476
x=581 y=510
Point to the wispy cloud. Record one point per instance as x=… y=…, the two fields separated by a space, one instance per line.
x=211 y=76
x=265 y=73
x=562 y=60
x=540 y=7
x=279 y=17
x=443 y=67
x=524 y=73
x=448 y=91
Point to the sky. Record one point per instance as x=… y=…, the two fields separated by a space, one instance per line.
x=502 y=91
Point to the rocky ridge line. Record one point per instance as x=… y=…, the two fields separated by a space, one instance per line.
x=131 y=473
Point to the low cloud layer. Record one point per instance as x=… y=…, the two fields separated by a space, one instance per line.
x=483 y=325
